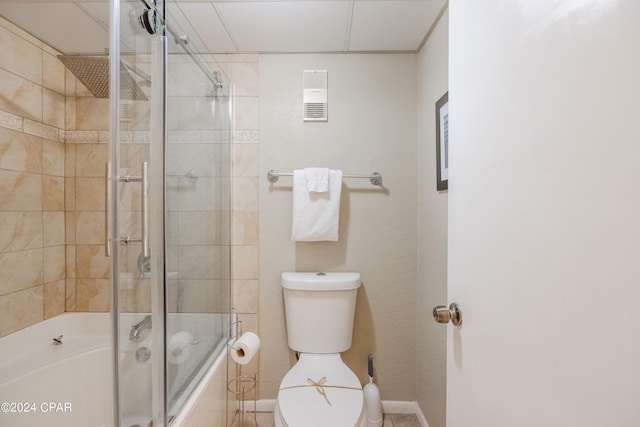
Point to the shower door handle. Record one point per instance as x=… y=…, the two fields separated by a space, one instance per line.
x=144 y=210
x=144 y=180
x=107 y=210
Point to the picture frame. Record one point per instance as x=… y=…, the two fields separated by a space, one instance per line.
x=442 y=142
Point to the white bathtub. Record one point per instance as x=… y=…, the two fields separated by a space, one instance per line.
x=68 y=385
x=57 y=385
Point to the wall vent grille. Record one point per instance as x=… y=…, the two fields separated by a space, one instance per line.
x=315 y=107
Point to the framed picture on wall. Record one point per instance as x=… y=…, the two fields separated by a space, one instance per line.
x=442 y=142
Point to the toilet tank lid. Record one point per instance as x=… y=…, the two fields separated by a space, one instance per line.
x=319 y=281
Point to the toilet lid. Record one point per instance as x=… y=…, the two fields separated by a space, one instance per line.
x=320 y=391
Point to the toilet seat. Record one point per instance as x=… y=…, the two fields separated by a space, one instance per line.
x=320 y=391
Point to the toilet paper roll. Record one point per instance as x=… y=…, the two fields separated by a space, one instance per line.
x=179 y=348
x=243 y=350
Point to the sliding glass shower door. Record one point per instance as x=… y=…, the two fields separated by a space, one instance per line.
x=169 y=216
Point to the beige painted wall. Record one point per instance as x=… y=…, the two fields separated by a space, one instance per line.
x=432 y=231
x=371 y=127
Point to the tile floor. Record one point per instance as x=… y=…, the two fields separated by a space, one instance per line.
x=265 y=419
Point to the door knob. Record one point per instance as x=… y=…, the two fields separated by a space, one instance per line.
x=442 y=314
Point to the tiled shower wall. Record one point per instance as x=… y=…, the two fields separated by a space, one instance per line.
x=32 y=171
x=53 y=147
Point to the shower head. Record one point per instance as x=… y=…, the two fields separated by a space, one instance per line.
x=93 y=72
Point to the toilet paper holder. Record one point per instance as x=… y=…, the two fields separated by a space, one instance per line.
x=240 y=385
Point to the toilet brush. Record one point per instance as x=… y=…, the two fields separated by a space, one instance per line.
x=372 y=400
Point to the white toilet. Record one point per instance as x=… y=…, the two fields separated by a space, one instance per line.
x=320 y=390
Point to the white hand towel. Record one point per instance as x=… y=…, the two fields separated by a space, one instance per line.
x=316 y=215
x=317 y=179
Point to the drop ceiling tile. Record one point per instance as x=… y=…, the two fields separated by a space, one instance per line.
x=391 y=24
x=287 y=26
x=207 y=24
x=71 y=31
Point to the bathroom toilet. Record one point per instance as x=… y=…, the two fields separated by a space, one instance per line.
x=320 y=390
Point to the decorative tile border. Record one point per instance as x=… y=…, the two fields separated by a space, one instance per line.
x=10 y=121
x=246 y=136
x=21 y=124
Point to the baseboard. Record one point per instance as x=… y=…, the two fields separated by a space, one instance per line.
x=421 y=418
x=388 y=407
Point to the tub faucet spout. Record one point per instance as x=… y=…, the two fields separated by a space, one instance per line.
x=137 y=329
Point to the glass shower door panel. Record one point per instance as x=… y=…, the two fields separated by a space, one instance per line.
x=132 y=281
x=198 y=216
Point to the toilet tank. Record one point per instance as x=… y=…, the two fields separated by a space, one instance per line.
x=319 y=310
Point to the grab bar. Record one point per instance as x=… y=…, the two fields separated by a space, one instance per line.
x=374 y=177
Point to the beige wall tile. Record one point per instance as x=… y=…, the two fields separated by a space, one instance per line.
x=246 y=113
x=54 y=73
x=89 y=228
x=201 y=296
x=20 y=152
x=246 y=228
x=53 y=157
x=90 y=194
x=246 y=262
x=53 y=108
x=20 y=57
x=92 y=113
x=21 y=309
x=91 y=159
x=71 y=272
x=206 y=194
x=70 y=160
x=202 y=262
x=54 y=263
x=244 y=76
x=70 y=295
x=69 y=83
x=202 y=228
x=20 y=230
x=70 y=113
x=136 y=298
x=205 y=159
x=246 y=160
x=20 y=96
x=21 y=270
x=245 y=194
x=92 y=263
x=54 y=298
x=70 y=227
x=20 y=191
x=70 y=194
x=245 y=296
x=53 y=193
x=93 y=295
x=53 y=225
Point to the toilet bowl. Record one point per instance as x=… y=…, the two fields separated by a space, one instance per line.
x=320 y=390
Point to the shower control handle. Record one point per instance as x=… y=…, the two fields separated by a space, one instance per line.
x=444 y=314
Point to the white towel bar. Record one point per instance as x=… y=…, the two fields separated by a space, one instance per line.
x=374 y=177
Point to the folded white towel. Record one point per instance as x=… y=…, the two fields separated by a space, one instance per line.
x=315 y=215
x=317 y=179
